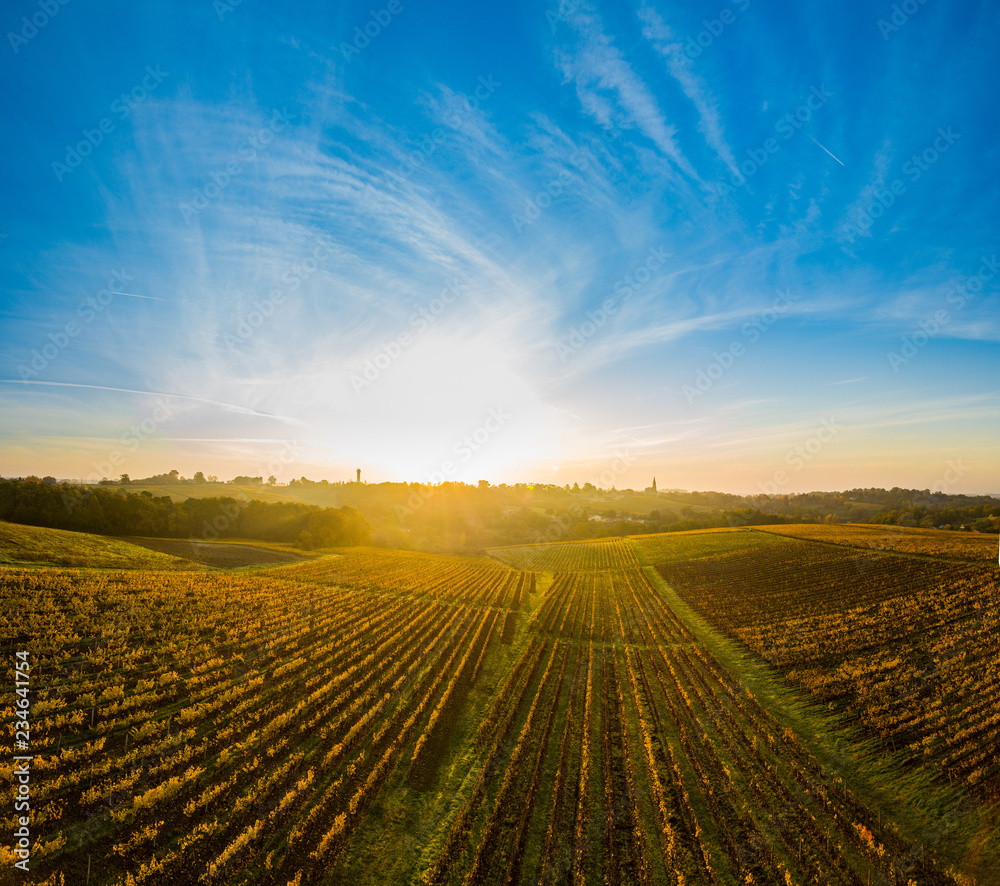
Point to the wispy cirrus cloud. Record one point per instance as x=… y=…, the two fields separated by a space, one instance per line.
x=611 y=91
x=853 y=223
x=603 y=128
x=227 y=407
x=658 y=33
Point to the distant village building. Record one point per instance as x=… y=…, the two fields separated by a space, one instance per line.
x=653 y=487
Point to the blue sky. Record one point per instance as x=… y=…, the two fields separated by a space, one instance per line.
x=730 y=245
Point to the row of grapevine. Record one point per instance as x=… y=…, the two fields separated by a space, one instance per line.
x=644 y=762
x=169 y=709
x=574 y=556
x=905 y=647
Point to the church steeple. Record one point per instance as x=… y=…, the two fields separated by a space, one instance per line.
x=654 y=484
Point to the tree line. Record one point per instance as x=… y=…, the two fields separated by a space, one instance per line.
x=116 y=512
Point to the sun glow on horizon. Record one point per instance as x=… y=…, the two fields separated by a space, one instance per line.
x=487 y=248
x=446 y=408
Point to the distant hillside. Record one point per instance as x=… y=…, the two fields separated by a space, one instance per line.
x=452 y=517
x=36 y=546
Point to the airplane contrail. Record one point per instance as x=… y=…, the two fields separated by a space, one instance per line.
x=835 y=157
x=228 y=407
x=150 y=297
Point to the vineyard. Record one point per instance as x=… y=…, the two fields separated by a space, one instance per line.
x=577 y=556
x=906 y=647
x=545 y=716
x=675 y=546
x=963 y=546
x=233 y=729
x=620 y=751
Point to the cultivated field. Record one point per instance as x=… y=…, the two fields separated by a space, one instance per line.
x=229 y=728
x=949 y=545
x=561 y=716
x=621 y=751
x=574 y=556
x=683 y=546
x=907 y=647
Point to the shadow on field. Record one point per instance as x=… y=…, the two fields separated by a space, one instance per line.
x=218 y=554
